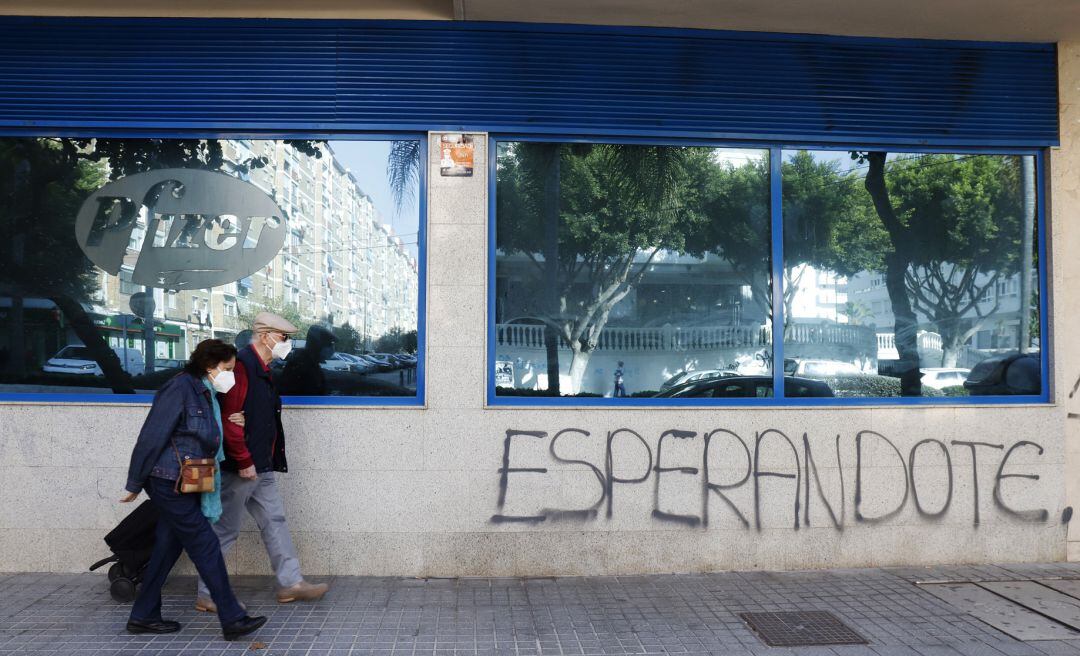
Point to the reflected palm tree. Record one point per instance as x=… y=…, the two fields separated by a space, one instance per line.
x=403 y=171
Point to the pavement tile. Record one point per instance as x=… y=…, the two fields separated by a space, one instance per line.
x=669 y=614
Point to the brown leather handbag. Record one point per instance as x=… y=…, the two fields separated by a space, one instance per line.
x=196 y=474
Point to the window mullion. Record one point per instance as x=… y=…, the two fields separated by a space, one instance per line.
x=777 y=237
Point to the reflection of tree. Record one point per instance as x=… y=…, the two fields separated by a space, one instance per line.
x=620 y=206
x=826 y=224
x=348 y=339
x=547 y=160
x=947 y=294
x=42 y=186
x=858 y=313
x=736 y=199
x=397 y=340
x=965 y=213
x=403 y=170
x=945 y=230
x=954 y=227
x=536 y=194
x=128 y=156
x=288 y=311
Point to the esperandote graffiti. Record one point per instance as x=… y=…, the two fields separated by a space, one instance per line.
x=746 y=454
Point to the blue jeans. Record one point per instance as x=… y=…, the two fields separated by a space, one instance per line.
x=182 y=527
x=262 y=500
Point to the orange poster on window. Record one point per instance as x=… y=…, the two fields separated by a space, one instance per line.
x=456 y=158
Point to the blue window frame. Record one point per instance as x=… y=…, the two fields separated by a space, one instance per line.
x=501 y=366
x=419 y=173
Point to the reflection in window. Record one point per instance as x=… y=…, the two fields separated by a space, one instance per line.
x=619 y=268
x=126 y=317
x=911 y=274
x=127 y=287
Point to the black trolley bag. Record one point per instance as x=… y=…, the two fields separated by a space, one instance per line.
x=131 y=542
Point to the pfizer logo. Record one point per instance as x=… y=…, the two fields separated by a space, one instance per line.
x=201 y=229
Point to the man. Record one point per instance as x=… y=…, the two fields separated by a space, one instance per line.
x=253 y=453
x=620 y=389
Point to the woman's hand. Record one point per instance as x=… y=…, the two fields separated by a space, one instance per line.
x=129 y=497
x=237 y=418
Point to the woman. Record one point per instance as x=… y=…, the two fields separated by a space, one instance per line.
x=184 y=422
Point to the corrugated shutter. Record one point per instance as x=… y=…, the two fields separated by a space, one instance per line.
x=361 y=75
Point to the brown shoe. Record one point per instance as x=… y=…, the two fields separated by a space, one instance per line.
x=302 y=591
x=204 y=605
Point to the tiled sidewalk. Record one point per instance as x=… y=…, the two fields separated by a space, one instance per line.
x=674 y=614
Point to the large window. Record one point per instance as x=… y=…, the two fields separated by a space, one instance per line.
x=119 y=255
x=644 y=274
x=624 y=270
x=906 y=271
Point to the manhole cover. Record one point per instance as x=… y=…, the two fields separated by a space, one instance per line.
x=801 y=629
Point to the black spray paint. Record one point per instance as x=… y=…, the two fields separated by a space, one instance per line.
x=735 y=450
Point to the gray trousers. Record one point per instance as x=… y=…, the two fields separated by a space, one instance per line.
x=262 y=500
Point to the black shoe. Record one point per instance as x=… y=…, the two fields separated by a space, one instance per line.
x=153 y=626
x=242 y=627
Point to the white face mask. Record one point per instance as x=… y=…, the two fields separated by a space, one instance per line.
x=224 y=381
x=282 y=350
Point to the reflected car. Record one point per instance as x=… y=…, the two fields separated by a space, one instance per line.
x=402 y=359
x=162 y=364
x=747 y=387
x=694 y=376
x=942 y=377
x=394 y=359
x=819 y=368
x=336 y=362
x=76 y=359
x=1006 y=374
x=357 y=364
x=381 y=361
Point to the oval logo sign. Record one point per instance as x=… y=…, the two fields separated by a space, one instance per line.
x=200 y=229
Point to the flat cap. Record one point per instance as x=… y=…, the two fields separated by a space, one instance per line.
x=268 y=322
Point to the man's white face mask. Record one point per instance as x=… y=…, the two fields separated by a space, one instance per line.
x=281 y=350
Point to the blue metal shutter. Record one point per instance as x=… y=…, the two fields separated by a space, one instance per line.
x=383 y=75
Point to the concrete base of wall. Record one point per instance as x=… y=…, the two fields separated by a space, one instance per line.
x=420 y=492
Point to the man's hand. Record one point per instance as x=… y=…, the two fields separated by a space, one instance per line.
x=129 y=497
x=248 y=473
x=237 y=418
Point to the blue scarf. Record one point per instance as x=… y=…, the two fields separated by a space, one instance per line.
x=211 y=501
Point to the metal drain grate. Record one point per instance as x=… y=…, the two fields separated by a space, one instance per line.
x=801 y=629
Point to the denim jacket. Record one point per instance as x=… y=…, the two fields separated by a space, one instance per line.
x=181 y=415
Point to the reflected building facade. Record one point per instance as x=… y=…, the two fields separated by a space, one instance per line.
x=341 y=263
